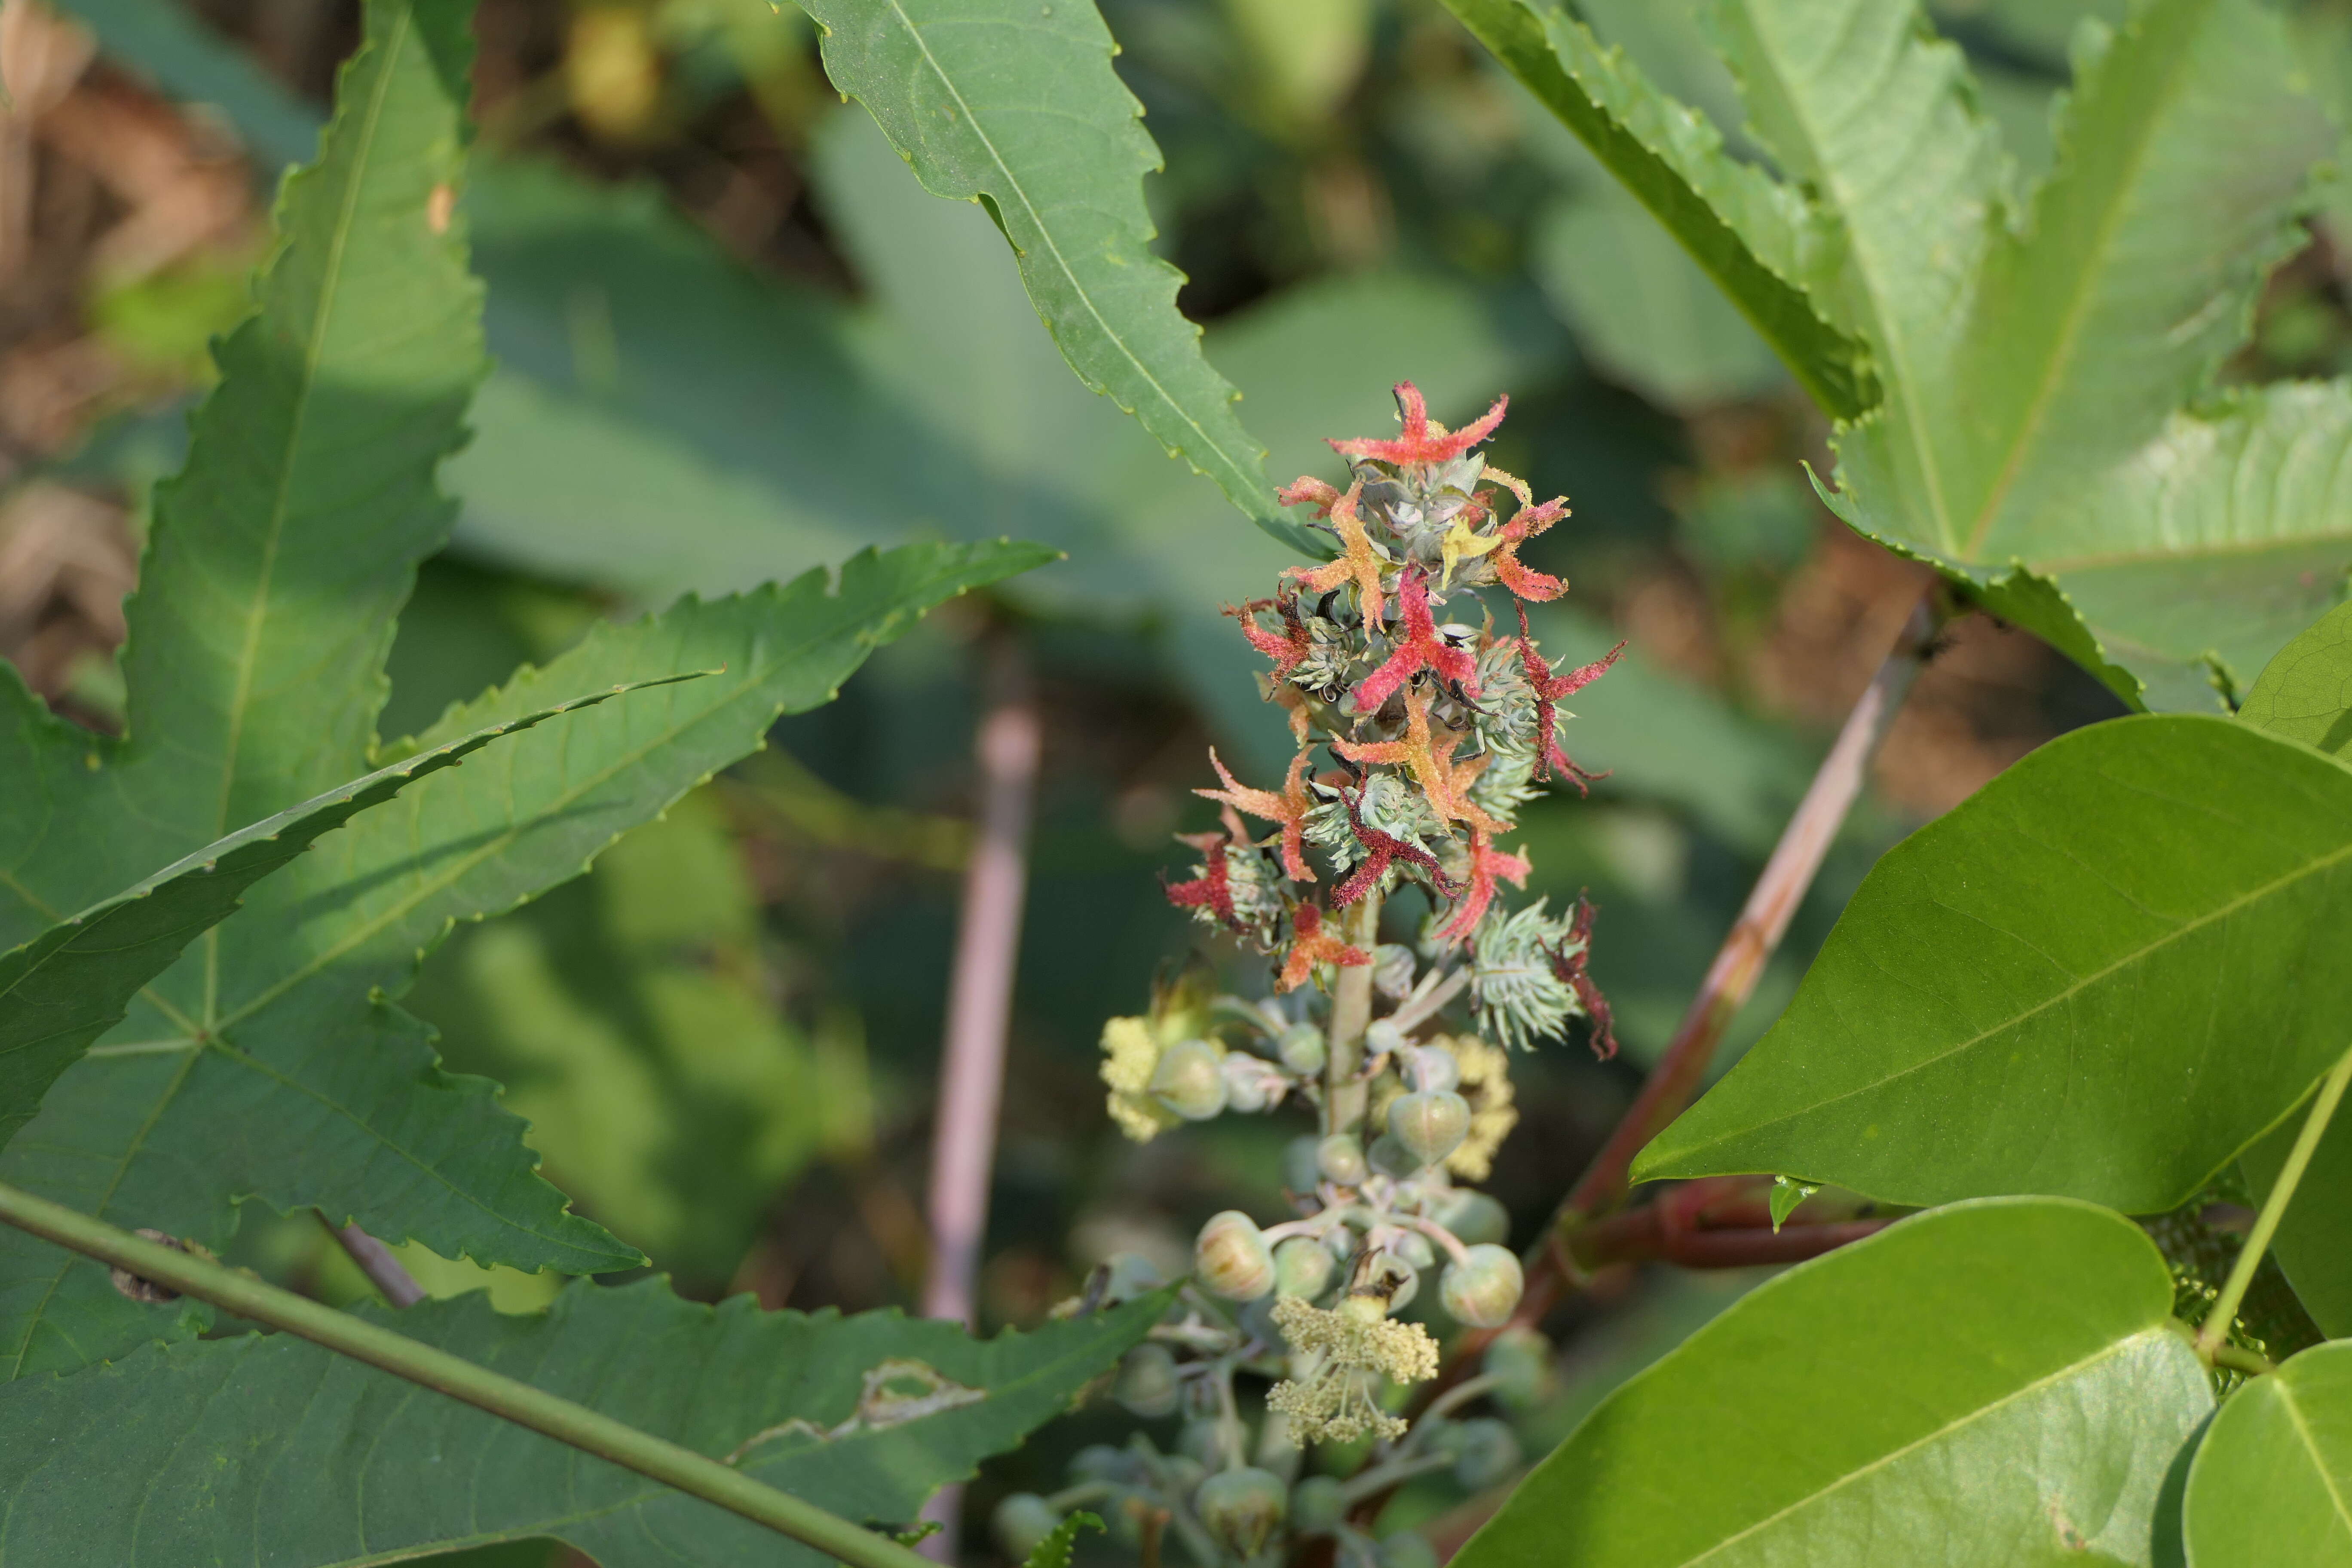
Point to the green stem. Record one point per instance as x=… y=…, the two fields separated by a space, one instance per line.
x=2266 y=1222
x=2239 y=1359
x=1346 y=1097
x=379 y=1347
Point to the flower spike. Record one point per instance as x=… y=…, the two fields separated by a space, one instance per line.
x=1311 y=946
x=1380 y=851
x=1487 y=863
x=1289 y=808
x=1549 y=688
x=1423 y=440
x=1418 y=647
x=1360 y=561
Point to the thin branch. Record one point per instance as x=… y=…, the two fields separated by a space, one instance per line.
x=392 y=1281
x=1418 y=1008
x=575 y=1426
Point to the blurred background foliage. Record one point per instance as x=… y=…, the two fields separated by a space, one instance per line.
x=736 y=340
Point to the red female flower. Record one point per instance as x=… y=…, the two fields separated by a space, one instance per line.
x=1549 y=688
x=1289 y=808
x=1424 y=440
x=1287 y=649
x=1311 y=946
x=1213 y=890
x=1380 y=851
x=1358 y=562
x=1487 y=863
x=1569 y=967
x=1418 y=647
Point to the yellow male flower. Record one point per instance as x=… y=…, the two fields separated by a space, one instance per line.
x=1334 y=1403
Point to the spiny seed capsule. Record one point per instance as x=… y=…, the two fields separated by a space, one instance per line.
x=1316 y=1504
x=1148 y=1384
x=1021 y=1522
x=1430 y=1124
x=1302 y=1048
x=1489 y=1452
x=1231 y=1257
x=1303 y=1266
x=1189 y=1079
x=1482 y=1287
x=1519 y=1360
x=1474 y=1217
x=1431 y=1067
x=1242 y=1507
x=1342 y=1159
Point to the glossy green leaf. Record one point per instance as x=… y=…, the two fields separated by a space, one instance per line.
x=269 y=1450
x=2272 y=1484
x=1994 y=1383
x=72 y=982
x=2306 y=693
x=1014 y=105
x=1753 y=236
x=2034 y=367
x=2102 y=976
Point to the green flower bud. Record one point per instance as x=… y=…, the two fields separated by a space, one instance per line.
x=1242 y=1508
x=1431 y=1067
x=1392 y=970
x=1482 y=1288
x=1232 y=1259
x=1189 y=1079
x=1202 y=1441
x=1489 y=1453
x=1520 y=1361
x=1102 y=1462
x=1317 y=1504
x=1302 y=1048
x=1131 y=1275
x=1406 y=1549
x=1148 y=1384
x=1415 y=1249
x=1303 y=1266
x=1300 y=1171
x=1020 y=1522
x=1183 y=1471
x=1474 y=1217
x=1391 y=1158
x=1252 y=1083
x=1342 y=1159
x=1382 y=1036
x=1430 y=1124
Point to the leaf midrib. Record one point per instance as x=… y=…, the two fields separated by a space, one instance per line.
x=1012 y=182
x=2063 y=342
x=2072 y=1369
x=2285 y=1391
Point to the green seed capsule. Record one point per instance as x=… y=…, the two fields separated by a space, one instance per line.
x=1381 y=1038
x=1474 y=1217
x=1488 y=1453
x=1520 y=1361
x=1252 y=1083
x=1431 y=1067
x=1406 y=1549
x=1232 y=1259
x=1342 y=1159
x=1302 y=1048
x=1189 y=1079
x=1317 y=1504
x=1303 y=1266
x=1242 y=1508
x=1482 y=1288
x=1020 y=1522
x=1148 y=1384
x=1430 y=1124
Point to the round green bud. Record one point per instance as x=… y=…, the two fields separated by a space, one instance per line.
x=1231 y=1257
x=1317 y=1504
x=1482 y=1288
x=1189 y=1079
x=1488 y=1453
x=1302 y=1048
x=1301 y=1169
x=1340 y=1158
x=1020 y=1522
x=1392 y=970
x=1303 y=1266
x=1202 y=1440
x=1382 y=1037
x=1242 y=1508
x=1430 y=1124
x=1406 y=1549
x=1147 y=1383
x=1431 y=1067
x=1131 y=1275
x=1391 y=1158
x=1102 y=1462
x=1252 y=1083
x=1519 y=1360
x=1183 y=1471
x=1474 y=1217
x=1415 y=1249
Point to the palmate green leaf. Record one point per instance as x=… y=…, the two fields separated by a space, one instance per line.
x=2102 y=976
x=1994 y=1383
x=2034 y=372
x=1014 y=104
x=1753 y=236
x=270 y=1449
x=72 y=982
x=2270 y=1486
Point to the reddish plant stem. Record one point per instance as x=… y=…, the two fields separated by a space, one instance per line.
x=980 y=1007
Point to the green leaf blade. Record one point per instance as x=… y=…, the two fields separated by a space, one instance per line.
x=2272 y=1483
x=1014 y=105
x=2025 y=995
x=2305 y=692
x=272 y=1450
x=2036 y=1427
x=1749 y=234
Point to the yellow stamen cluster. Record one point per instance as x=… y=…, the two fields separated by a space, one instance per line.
x=1130 y=1054
x=1487 y=1085
x=1333 y=1403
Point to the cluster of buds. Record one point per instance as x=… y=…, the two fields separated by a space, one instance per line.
x=1420 y=732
